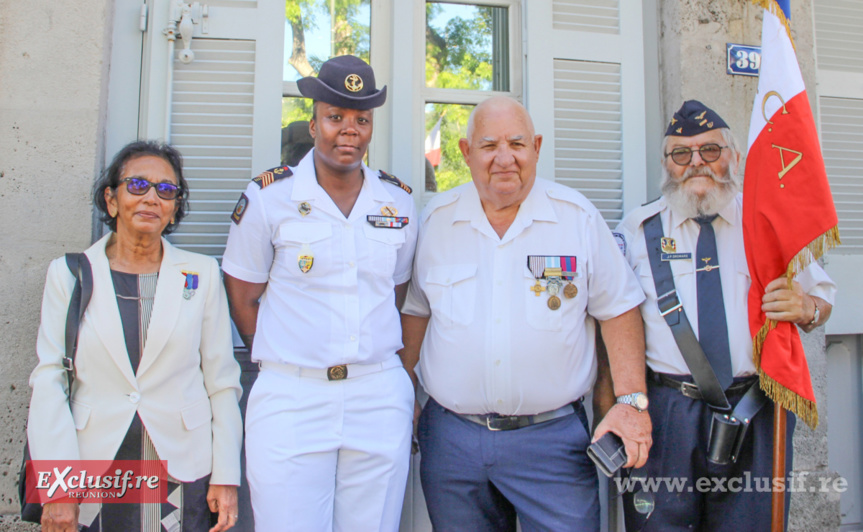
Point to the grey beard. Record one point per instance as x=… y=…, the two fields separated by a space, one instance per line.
x=689 y=205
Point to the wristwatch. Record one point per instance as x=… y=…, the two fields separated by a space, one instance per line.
x=637 y=400
x=817 y=313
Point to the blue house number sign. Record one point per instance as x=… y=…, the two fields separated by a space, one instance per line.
x=743 y=60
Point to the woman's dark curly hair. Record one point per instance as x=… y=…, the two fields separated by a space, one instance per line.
x=111 y=178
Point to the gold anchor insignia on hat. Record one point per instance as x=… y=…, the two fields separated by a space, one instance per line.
x=354 y=83
x=710 y=124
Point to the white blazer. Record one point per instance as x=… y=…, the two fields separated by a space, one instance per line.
x=186 y=389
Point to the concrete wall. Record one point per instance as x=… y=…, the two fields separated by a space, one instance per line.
x=52 y=79
x=693 y=34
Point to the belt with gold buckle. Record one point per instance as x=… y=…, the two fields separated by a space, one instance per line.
x=337 y=373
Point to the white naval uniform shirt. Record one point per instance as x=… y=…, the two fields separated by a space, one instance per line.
x=491 y=344
x=662 y=353
x=342 y=311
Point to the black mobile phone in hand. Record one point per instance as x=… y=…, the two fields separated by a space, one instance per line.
x=608 y=453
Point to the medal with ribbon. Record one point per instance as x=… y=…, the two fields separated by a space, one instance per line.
x=554 y=269
x=568 y=271
x=191 y=284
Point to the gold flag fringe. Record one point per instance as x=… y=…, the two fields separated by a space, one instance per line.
x=814 y=251
x=803 y=408
x=774 y=8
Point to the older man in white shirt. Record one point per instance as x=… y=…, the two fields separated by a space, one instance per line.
x=509 y=278
x=697 y=227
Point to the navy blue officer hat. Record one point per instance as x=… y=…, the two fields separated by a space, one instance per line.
x=693 y=118
x=344 y=81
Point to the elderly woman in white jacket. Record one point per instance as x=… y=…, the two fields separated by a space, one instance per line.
x=155 y=372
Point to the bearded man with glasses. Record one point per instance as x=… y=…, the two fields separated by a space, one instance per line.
x=687 y=251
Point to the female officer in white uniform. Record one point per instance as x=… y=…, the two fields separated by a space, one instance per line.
x=318 y=258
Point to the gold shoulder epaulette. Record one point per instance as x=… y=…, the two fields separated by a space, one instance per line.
x=393 y=180
x=272 y=175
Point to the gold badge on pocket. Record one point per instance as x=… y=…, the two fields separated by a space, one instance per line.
x=306 y=259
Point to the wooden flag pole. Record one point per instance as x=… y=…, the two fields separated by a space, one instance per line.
x=779 y=448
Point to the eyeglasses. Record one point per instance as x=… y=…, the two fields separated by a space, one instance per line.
x=140 y=186
x=709 y=153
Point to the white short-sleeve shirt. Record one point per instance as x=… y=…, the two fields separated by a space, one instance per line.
x=663 y=354
x=342 y=309
x=492 y=345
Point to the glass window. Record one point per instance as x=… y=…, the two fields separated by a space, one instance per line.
x=296 y=140
x=470 y=54
x=445 y=167
x=316 y=30
x=467 y=47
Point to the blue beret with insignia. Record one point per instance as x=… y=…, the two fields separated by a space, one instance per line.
x=272 y=175
x=694 y=118
x=394 y=181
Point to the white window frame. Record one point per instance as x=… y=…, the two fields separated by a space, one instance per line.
x=412 y=161
x=380 y=61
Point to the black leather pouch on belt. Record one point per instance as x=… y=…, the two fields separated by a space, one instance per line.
x=724 y=432
x=727 y=431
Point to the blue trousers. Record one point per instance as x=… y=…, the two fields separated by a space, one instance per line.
x=480 y=480
x=731 y=497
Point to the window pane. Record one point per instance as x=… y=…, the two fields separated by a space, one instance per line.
x=467 y=47
x=445 y=125
x=296 y=141
x=316 y=30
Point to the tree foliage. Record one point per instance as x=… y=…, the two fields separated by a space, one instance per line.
x=348 y=34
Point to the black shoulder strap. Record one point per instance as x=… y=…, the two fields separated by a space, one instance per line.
x=671 y=309
x=79 y=265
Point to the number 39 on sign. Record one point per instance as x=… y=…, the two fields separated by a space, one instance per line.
x=742 y=60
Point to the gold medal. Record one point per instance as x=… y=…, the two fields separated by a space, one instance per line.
x=537 y=288
x=304 y=208
x=554 y=302
x=570 y=290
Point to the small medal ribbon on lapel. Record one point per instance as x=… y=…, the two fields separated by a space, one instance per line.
x=191 y=284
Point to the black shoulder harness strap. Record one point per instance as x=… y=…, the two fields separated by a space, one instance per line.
x=79 y=265
x=671 y=309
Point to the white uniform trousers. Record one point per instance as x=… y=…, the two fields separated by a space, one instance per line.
x=328 y=455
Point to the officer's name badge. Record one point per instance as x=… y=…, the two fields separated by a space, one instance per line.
x=394 y=222
x=191 y=284
x=669 y=250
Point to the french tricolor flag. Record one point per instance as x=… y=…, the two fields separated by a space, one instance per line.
x=789 y=219
x=432 y=144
